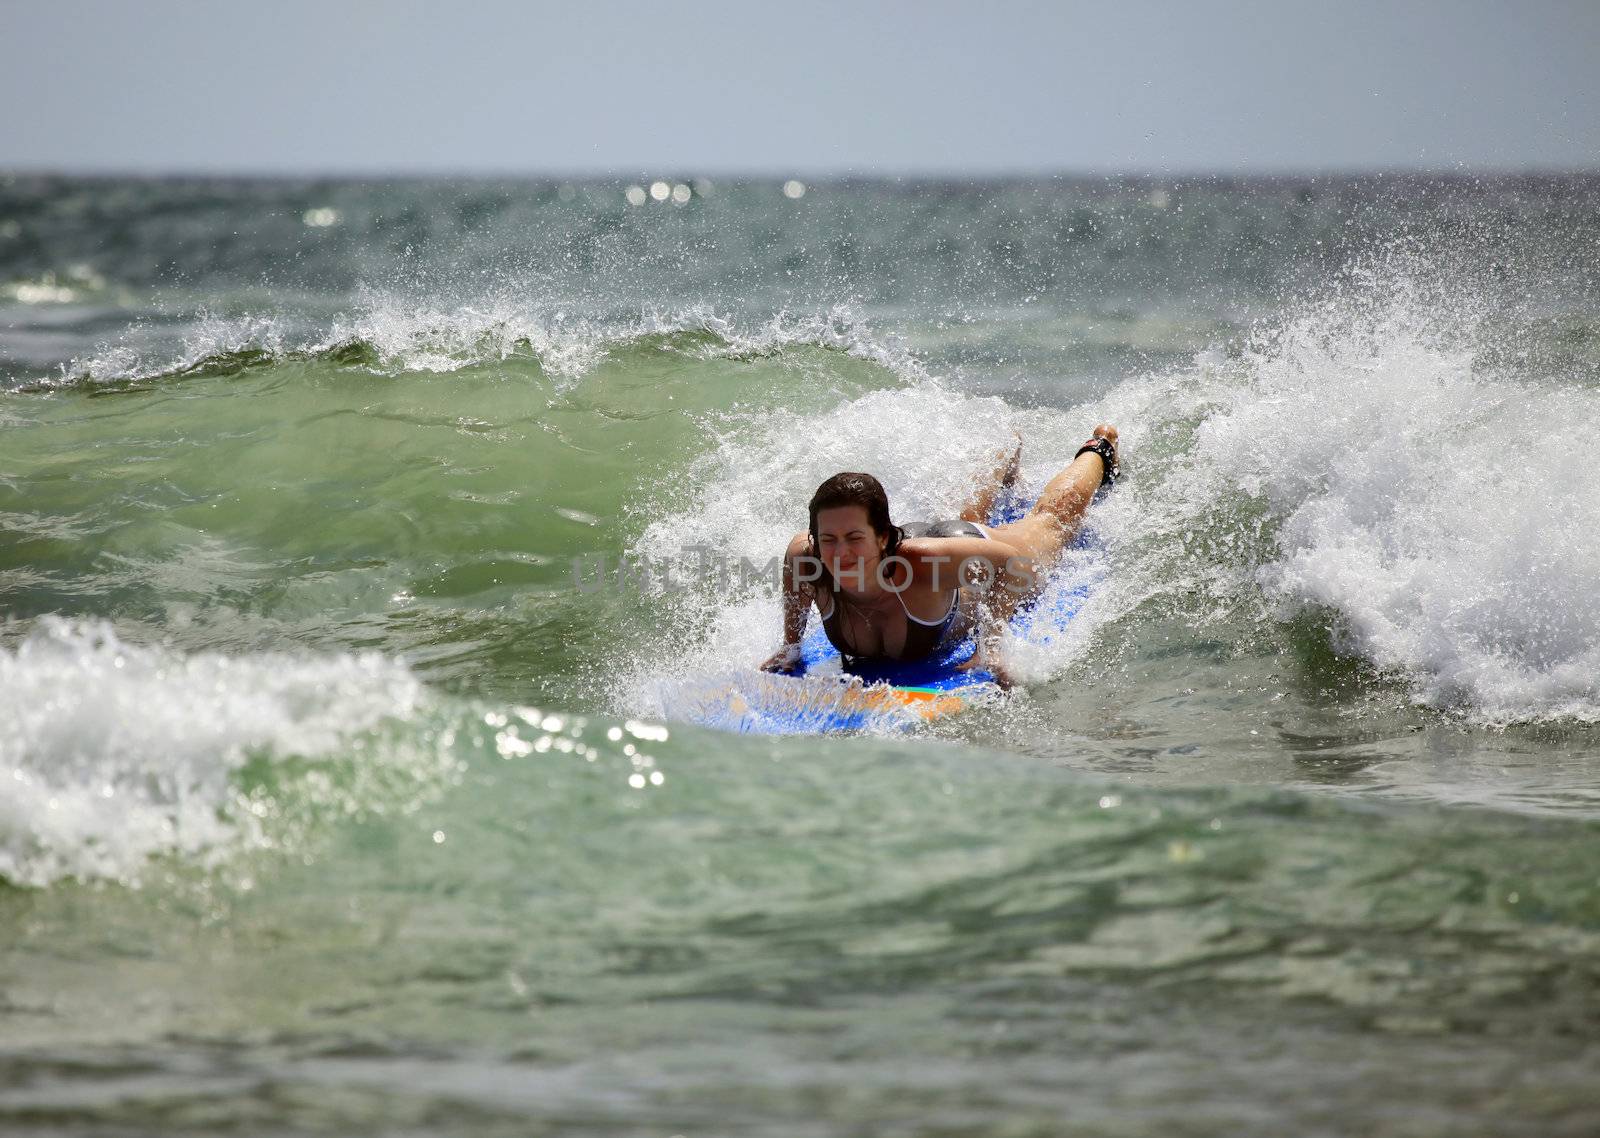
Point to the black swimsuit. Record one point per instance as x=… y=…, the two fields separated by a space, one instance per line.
x=923 y=637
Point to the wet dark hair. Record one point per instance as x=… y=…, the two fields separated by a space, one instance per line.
x=855 y=489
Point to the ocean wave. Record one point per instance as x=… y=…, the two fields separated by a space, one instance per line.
x=1366 y=458
x=113 y=752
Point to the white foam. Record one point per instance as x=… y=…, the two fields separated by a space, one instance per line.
x=409 y=337
x=209 y=335
x=112 y=752
x=569 y=346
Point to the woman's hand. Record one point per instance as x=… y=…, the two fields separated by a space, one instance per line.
x=785 y=661
x=982 y=661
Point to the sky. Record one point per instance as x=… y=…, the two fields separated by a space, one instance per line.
x=719 y=87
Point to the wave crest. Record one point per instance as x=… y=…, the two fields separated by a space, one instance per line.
x=391 y=338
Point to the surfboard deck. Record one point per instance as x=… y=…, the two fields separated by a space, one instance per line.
x=763 y=703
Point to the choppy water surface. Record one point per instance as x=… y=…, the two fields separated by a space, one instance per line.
x=332 y=802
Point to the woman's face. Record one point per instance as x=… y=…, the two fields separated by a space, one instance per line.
x=848 y=545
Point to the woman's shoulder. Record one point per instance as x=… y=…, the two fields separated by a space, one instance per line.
x=932 y=568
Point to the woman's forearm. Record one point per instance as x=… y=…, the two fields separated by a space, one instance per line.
x=796 y=603
x=795 y=611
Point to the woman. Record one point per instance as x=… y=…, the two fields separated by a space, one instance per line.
x=890 y=592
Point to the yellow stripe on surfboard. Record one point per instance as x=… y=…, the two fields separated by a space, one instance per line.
x=786 y=697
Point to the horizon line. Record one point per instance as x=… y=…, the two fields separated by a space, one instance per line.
x=820 y=174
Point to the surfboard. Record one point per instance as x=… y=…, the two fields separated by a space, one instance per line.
x=829 y=696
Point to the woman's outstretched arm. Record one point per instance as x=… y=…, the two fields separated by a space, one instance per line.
x=797 y=600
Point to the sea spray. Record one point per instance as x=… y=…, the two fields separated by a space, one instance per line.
x=1358 y=457
x=113 y=751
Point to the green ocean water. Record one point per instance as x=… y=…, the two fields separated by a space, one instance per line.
x=333 y=802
